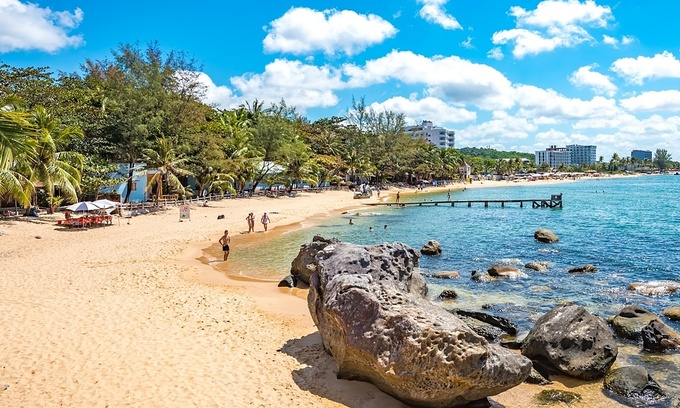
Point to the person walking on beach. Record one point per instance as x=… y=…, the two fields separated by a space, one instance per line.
x=265 y=221
x=251 y=222
x=397 y=197
x=224 y=241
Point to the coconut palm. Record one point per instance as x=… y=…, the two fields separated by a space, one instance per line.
x=17 y=147
x=164 y=166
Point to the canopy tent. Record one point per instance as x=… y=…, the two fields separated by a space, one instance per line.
x=84 y=206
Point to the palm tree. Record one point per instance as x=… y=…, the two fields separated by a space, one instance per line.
x=299 y=164
x=52 y=166
x=166 y=166
x=17 y=147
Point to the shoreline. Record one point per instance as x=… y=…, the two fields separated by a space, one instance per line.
x=135 y=315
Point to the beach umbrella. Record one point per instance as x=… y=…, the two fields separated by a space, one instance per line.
x=104 y=203
x=83 y=206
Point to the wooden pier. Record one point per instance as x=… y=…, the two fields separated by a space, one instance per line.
x=555 y=201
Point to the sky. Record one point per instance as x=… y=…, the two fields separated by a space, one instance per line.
x=507 y=74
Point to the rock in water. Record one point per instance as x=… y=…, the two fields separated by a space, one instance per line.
x=574 y=341
x=585 y=268
x=628 y=323
x=634 y=385
x=658 y=337
x=544 y=235
x=672 y=313
x=370 y=308
x=431 y=248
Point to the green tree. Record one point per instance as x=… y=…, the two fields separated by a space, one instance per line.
x=17 y=147
x=165 y=167
x=662 y=159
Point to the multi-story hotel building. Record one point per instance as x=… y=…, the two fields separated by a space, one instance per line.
x=436 y=135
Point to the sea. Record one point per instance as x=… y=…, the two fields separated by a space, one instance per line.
x=628 y=227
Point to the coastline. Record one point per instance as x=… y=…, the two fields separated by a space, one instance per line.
x=135 y=315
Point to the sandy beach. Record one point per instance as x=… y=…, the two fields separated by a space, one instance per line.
x=133 y=314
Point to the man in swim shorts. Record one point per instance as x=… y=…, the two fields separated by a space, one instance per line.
x=224 y=241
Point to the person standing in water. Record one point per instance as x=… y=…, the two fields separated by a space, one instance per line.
x=224 y=241
x=397 y=197
x=251 y=222
x=265 y=221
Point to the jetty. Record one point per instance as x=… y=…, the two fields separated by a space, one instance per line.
x=555 y=201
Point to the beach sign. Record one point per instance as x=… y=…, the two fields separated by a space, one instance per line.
x=184 y=212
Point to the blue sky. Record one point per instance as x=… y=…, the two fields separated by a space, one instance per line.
x=512 y=75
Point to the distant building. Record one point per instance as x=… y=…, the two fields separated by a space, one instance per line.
x=436 y=135
x=582 y=154
x=641 y=155
x=554 y=156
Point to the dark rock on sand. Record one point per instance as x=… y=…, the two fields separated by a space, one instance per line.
x=658 y=337
x=634 y=385
x=506 y=271
x=655 y=288
x=672 y=313
x=496 y=321
x=628 y=323
x=369 y=306
x=536 y=378
x=431 y=248
x=481 y=276
x=574 y=341
x=544 y=235
x=448 y=294
x=288 y=282
x=446 y=275
x=551 y=397
x=304 y=264
x=538 y=266
x=585 y=268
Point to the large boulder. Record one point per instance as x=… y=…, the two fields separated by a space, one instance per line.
x=373 y=317
x=658 y=337
x=545 y=235
x=573 y=341
x=628 y=323
x=634 y=385
x=304 y=264
x=432 y=247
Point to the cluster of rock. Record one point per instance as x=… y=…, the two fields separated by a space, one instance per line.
x=371 y=308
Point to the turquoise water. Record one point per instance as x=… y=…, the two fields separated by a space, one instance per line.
x=627 y=227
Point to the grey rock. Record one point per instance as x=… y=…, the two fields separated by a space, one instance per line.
x=655 y=288
x=634 y=385
x=573 y=341
x=370 y=308
x=304 y=264
x=658 y=337
x=585 y=268
x=447 y=294
x=446 y=275
x=506 y=271
x=538 y=266
x=288 y=282
x=536 y=378
x=628 y=323
x=545 y=235
x=431 y=248
x=481 y=276
x=497 y=321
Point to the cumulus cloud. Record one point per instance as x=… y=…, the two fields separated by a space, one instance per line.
x=502 y=127
x=637 y=70
x=650 y=101
x=625 y=40
x=467 y=44
x=302 y=30
x=27 y=26
x=553 y=24
x=599 y=83
x=452 y=79
x=433 y=12
x=301 y=85
x=538 y=102
x=495 y=53
x=428 y=108
x=218 y=95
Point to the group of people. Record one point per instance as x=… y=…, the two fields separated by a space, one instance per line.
x=225 y=239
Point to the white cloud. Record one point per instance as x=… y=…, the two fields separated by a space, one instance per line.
x=433 y=12
x=303 y=30
x=467 y=44
x=26 y=26
x=599 y=83
x=537 y=102
x=553 y=24
x=668 y=100
x=301 y=85
x=218 y=95
x=428 y=108
x=625 y=40
x=452 y=79
x=495 y=53
x=636 y=70
x=501 y=128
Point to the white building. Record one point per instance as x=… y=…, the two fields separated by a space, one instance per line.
x=582 y=154
x=436 y=135
x=554 y=156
